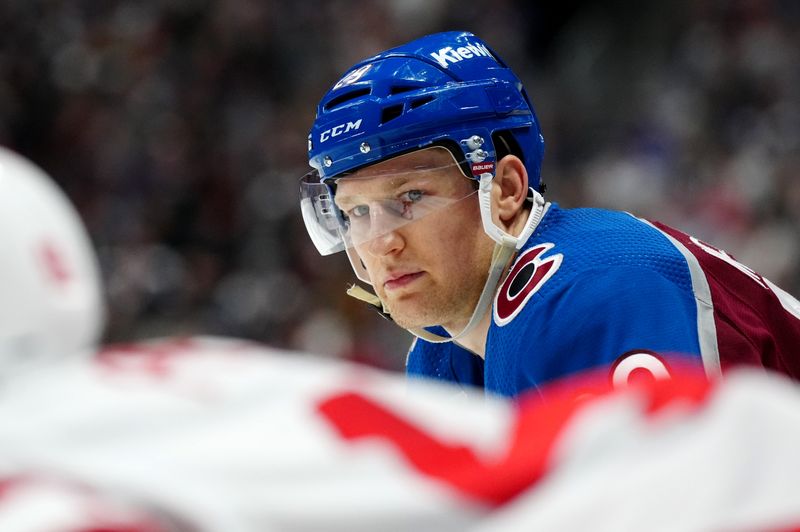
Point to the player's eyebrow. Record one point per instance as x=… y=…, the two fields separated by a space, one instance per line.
x=425 y=162
x=368 y=190
x=371 y=185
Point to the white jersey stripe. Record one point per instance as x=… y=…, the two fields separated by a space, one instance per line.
x=706 y=328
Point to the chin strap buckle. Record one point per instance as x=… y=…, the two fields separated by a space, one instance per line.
x=370 y=299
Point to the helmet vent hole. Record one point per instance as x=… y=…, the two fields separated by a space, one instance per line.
x=343 y=98
x=419 y=102
x=399 y=89
x=391 y=112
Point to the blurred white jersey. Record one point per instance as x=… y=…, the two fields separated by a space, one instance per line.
x=226 y=436
x=231 y=436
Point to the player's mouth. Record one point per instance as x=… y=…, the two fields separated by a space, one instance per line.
x=401 y=280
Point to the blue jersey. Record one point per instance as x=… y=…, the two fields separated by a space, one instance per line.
x=596 y=288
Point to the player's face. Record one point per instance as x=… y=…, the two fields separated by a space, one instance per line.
x=430 y=271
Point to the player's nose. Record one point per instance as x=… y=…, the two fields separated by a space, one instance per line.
x=384 y=235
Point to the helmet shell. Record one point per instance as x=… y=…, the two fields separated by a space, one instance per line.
x=443 y=87
x=51 y=302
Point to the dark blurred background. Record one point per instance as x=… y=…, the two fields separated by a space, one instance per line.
x=179 y=129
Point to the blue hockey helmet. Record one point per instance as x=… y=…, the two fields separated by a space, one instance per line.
x=446 y=86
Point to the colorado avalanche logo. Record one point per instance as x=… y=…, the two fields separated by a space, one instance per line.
x=526 y=277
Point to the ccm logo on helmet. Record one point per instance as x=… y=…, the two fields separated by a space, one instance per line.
x=335 y=131
x=448 y=55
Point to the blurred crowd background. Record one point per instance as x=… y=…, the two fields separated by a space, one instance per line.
x=178 y=128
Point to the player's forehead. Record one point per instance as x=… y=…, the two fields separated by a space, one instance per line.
x=421 y=165
x=426 y=158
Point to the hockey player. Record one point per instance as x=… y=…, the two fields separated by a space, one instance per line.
x=426 y=172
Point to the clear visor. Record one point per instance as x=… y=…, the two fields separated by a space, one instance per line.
x=381 y=198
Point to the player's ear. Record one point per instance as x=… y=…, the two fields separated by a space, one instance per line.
x=509 y=191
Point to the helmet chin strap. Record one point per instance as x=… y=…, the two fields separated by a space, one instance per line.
x=505 y=248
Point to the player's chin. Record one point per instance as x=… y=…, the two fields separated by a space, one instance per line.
x=406 y=323
x=409 y=314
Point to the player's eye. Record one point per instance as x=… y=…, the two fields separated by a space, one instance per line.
x=407 y=201
x=412 y=196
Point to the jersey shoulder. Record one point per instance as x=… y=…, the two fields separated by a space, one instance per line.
x=571 y=245
x=581 y=294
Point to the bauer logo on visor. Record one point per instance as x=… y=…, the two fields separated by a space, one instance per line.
x=382 y=198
